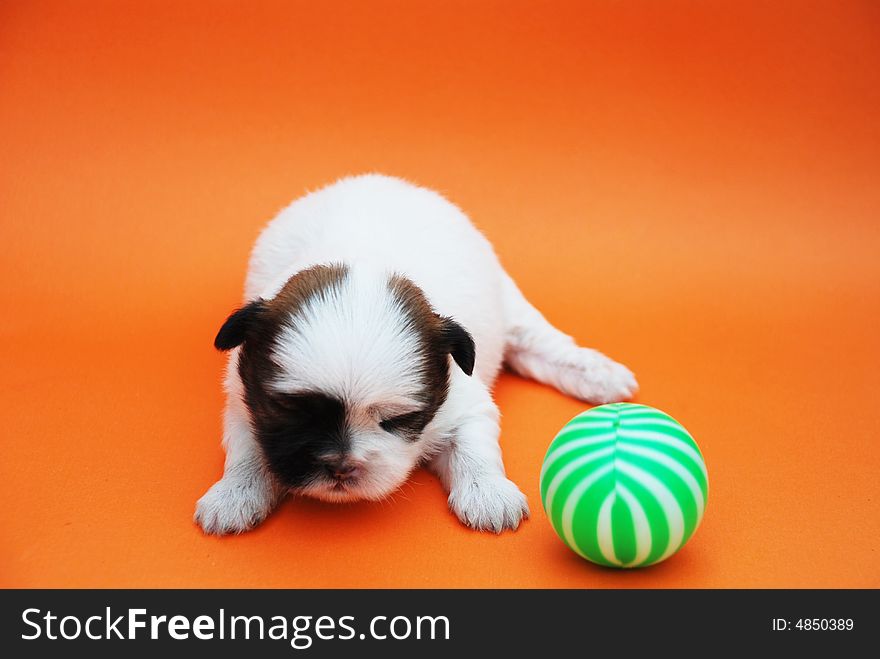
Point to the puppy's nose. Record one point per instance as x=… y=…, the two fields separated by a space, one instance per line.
x=344 y=470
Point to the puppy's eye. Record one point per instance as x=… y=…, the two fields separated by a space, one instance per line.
x=288 y=402
x=302 y=406
x=409 y=421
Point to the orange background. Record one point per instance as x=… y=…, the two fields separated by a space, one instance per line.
x=691 y=187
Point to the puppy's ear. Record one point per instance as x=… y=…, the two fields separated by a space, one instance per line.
x=457 y=341
x=239 y=325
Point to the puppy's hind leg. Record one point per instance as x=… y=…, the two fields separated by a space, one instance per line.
x=537 y=350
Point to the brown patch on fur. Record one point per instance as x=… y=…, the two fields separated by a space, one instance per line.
x=303 y=286
x=294 y=430
x=439 y=333
x=255 y=363
x=416 y=304
x=433 y=353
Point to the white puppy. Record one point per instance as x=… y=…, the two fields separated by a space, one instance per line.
x=376 y=321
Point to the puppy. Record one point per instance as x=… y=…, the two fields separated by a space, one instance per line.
x=376 y=320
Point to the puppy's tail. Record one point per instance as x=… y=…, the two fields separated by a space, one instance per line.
x=536 y=349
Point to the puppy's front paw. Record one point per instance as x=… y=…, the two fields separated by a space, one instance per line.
x=234 y=505
x=593 y=377
x=492 y=504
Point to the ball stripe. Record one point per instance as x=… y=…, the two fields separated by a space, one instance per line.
x=624 y=485
x=556 y=467
x=672 y=465
x=603 y=529
x=657 y=438
x=640 y=522
x=597 y=413
x=657 y=522
x=574 y=445
x=571 y=468
x=623 y=530
x=667 y=501
x=572 y=502
x=683 y=495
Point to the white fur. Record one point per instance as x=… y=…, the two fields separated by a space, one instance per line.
x=357 y=344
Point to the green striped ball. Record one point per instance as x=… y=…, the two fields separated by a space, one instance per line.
x=624 y=485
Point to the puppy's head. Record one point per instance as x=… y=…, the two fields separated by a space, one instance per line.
x=342 y=371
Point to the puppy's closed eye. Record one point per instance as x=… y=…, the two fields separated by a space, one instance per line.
x=287 y=401
x=306 y=406
x=403 y=422
x=295 y=404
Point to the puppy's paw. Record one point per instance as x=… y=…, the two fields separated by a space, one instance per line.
x=492 y=504
x=593 y=377
x=234 y=505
